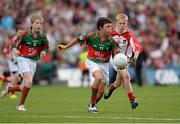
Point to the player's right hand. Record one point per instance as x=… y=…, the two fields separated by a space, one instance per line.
x=133 y=61
x=61 y=47
x=121 y=68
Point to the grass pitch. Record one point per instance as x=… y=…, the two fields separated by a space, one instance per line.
x=51 y=104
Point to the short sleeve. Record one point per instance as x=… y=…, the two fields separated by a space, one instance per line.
x=84 y=38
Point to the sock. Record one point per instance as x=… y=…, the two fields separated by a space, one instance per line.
x=112 y=88
x=94 y=96
x=25 y=92
x=10 y=89
x=99 y=97
x=17 y=88
x=131 y=97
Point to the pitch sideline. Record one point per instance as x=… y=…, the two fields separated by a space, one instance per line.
x=90 y=117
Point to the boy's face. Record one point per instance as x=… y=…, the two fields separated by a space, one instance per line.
x=107 y=28
x=122 y=25
x=37 y=25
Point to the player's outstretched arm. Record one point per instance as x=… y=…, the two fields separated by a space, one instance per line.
x=70 y=44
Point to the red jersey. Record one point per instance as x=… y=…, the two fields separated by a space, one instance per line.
x=127 y=42
x=31 y=45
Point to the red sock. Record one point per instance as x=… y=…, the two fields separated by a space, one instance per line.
x=17 y=88
x=131 y=96
x=25 y=92
x=10 y=89
x=112 y=88
x=94 y=95
x=99 y=97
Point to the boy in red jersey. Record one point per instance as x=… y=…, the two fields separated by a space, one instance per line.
x=100 y=46
x=131 y=48
x=29 y=47
x=12 y=63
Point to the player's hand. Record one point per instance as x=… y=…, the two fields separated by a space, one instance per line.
x=133 y=61
x=121 y=68
x=61 y=47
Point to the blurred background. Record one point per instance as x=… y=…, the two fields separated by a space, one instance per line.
x=156 y=24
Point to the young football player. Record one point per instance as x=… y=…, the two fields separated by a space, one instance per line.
x=100 y=46
x=13 y=67
x=131 y=48
x=29 y=47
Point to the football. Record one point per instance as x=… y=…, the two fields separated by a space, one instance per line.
x=120 y=60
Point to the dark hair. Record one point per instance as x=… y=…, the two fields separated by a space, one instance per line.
x=102 y=21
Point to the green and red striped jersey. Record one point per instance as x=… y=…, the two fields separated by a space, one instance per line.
x=100 y=49
x=30 y=45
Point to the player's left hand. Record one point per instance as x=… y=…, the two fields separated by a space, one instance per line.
x=121 y=68
x=133 y=61
x=61 y=47
x=42 y=54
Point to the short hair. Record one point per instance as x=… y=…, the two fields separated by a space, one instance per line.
x=35 y=17
x=122 y=16
x=19 y=32
x=102 y=21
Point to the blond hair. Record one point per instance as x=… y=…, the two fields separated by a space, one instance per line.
x=122 y=16
x=35 y=17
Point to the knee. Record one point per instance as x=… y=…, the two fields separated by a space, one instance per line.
x=28 y=84
x=27 y=80
x=98 y=79
x=126 y=77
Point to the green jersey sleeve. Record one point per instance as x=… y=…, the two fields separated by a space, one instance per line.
x=84 y=38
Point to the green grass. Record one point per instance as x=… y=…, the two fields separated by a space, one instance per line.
x=69 y=105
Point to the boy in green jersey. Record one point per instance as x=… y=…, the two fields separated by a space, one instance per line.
x=101 y=46
x=29 y=47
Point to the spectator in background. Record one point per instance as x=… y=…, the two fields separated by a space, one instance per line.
x=152 y=21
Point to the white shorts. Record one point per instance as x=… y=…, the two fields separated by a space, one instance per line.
x=103 y=67
x=12 y=66
x=26 y=65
